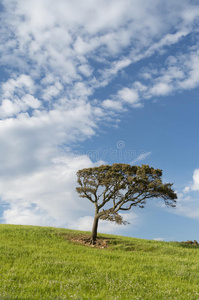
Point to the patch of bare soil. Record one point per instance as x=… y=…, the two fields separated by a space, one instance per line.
x=85 y=240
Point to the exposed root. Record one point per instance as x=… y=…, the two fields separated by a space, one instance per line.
x=86 y=240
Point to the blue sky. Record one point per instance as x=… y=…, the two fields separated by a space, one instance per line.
x=85 y=83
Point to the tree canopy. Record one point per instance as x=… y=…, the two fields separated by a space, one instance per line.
x=119 y=187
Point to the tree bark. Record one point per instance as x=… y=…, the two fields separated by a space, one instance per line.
x=94 y=230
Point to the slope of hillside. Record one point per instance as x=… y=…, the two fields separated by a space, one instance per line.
x=46 y=263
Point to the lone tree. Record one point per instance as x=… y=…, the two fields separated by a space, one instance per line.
x=119 y=187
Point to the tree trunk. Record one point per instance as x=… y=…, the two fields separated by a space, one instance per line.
x=94 y=230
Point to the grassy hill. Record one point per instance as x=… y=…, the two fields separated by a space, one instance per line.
x=44 y=263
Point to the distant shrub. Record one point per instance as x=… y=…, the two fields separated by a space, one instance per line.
x=195 y=243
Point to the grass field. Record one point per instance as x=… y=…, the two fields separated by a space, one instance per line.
x=42 y=263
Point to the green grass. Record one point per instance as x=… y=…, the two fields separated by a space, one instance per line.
x=41 y=263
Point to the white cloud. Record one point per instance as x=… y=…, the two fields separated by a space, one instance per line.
x=180 y=73
x=8 y=108
x=159 y=239
x=129 y=96
x=188 y=207
x=107 y=227
x=69 y=34
x=52 y=91
x=188 y=199
x=23 y=84
x=190 y=64
x=190 y=13
x=16 y=96
x=167 y=40
x=26 y=142
x=48 y=195
x=141 y=157
x=186 y=189
x=195 y=186
x=161 y=89
x=86 y=222
x=86 y=70
x=114 y=105
x=30 y=101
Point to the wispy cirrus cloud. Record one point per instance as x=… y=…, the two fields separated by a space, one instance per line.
x=141 y=157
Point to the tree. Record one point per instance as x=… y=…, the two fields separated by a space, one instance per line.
x=118 y=187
